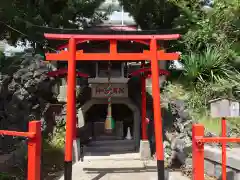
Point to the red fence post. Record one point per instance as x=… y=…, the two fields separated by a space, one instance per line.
x=34 y=151
x=224 y=153
x=197 y=152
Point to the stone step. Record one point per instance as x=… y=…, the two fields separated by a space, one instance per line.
x=91 y=156
x=123 y=148
x=119 y=170
x=111 y=142
x=109 y=149
x=110 y=146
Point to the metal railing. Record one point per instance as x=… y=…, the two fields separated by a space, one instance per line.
x=198 y=141
x=34 y=136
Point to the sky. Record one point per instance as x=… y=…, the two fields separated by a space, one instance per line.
x=10 y=50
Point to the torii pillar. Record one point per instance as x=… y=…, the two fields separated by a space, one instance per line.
x=71 y=107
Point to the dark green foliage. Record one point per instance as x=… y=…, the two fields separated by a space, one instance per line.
x=27 y=19
x=210 y=46
x=152 y=14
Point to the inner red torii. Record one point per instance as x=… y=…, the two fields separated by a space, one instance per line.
x=64 y=71
x=154 y=55
x=144 y=72
x=147 y=72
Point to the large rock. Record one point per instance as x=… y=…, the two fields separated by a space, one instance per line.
x=23 y=95
x=181 y=148
x=179 y=140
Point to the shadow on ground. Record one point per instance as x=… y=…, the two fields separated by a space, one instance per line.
x=103 y=171
x=109 y=153
x=230 y=176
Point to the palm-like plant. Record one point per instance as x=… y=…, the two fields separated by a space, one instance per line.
x=210 y=66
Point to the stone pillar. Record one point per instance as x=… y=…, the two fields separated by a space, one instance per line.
x=76 y=150
x=145 y=152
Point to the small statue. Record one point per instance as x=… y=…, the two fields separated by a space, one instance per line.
x=129 y=136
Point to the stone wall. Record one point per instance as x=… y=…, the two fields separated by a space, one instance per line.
x=213 y=165
x=25 y=95
x=25 y=92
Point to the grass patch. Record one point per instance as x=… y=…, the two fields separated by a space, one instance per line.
x=52 y=161
x=214 y=124
x=197 y=106
x=53 y=155
x=211 y=125
x=6 y=176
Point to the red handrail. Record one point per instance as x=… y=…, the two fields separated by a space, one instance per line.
x=16 y=133
x=216 y=140
x=198 y=141
x=34 y=147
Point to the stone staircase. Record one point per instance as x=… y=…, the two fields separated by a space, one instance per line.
x=119 y=168
x=109 y=147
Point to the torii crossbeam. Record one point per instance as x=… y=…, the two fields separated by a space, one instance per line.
x=154 y=55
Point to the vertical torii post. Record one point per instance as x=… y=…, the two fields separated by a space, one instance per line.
x=145 y=73
x=144 y=108
x=157 y=110
x=71 y=109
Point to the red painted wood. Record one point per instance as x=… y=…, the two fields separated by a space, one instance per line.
x=153 y=55
x=80 y=56
x=112 y=37
x=197 y=152
x=71 y=102
x=158 y=126
x=147 y=71
x=144 y=105
x=61 y=47
x=64 y=72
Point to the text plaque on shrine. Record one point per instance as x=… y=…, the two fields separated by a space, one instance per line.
x=117 y=90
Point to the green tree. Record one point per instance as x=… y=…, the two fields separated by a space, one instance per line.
x=218 y=25
x=200 y=22
x=152 y=14
x=209 y=44
x=29 y=19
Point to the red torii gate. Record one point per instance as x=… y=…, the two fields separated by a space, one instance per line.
x=72 y=55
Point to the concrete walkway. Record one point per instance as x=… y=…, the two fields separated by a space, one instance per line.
x=119 y=167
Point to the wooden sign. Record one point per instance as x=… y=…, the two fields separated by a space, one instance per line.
x=223 y=107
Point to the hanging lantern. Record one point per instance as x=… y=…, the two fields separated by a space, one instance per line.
x=109 y=122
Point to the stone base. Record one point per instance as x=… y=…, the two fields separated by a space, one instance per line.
x=145 y=152
x=76 y=150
